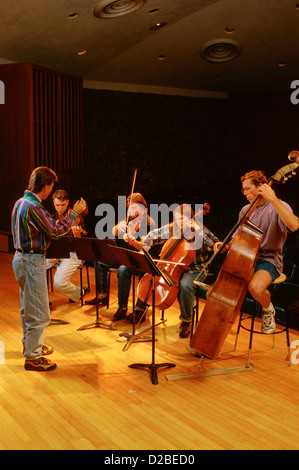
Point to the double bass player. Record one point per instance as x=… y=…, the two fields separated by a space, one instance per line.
x=274 y=217
x=254 y=260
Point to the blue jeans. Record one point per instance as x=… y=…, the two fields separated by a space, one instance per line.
x=30 y=273
x=124 y=275
x=186 y=296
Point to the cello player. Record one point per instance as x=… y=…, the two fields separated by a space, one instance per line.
x=183 y=220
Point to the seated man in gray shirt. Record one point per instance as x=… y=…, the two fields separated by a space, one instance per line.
x=274 y=217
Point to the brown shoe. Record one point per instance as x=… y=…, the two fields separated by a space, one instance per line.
x=185 y=328
x=139 y=316
x=101 y=299
x=120 y=313
x=40 y=365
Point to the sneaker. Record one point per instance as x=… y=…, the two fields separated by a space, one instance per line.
x=39 y=365
x=185 y=328
x=120 y=313
x=268 y=320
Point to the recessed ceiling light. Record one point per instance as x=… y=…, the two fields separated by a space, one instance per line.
x=151 y=12
x=82 y=52
x=112 y=9
x=157 y=26
x=281 y=64
x=162 y=57
x=73 y=15
x=229 y=29
x=297 y=6
x=220 y=50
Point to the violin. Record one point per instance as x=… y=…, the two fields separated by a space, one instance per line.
x=134 y=225
x=229 y=291
x=76 y=229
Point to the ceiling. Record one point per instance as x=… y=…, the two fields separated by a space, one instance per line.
x=124 y=47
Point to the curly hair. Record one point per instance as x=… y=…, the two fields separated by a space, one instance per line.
x=256 y=176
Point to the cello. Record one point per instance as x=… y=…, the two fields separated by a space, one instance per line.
x=229 y=291
x=175 y=257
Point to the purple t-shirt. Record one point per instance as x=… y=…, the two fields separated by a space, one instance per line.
x=275 y=232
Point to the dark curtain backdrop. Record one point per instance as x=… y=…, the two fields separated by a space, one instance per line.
x=179 y=145
x=186 y=149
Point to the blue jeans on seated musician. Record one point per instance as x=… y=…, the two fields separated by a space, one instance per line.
x=124 y=276
x=186 y=295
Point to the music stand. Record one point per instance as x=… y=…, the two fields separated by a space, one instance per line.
x=136 y=261
x=149 y=266
x=59 y=249
x=93 y=249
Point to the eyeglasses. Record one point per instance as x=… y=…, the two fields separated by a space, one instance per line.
x=247 y=189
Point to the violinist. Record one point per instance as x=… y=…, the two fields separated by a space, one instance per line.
x=66 y=267
x=183 y=220
x=274 y=217
x=128 y=232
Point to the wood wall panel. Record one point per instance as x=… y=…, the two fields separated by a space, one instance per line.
x=40 y=125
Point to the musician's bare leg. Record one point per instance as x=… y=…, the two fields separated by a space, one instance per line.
x=258 y=287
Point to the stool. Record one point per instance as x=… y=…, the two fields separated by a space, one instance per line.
x=257 y=308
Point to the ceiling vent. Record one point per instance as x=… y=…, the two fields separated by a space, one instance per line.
x=109 y=9
x=220 y=50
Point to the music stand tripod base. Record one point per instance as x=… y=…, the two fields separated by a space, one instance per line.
x=97 y=324
x=152 y=368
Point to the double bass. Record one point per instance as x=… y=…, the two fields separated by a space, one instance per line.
x=229 y=291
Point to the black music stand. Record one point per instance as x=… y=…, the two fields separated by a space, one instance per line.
x=93 y=249
x=149 y=266
x=59 y=249
x=136 y=261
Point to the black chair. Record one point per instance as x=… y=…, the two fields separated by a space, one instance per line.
x=289 y=269
x=295 y=278
x=291 y=253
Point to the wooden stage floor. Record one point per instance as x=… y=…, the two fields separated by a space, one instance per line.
x=93 y=400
